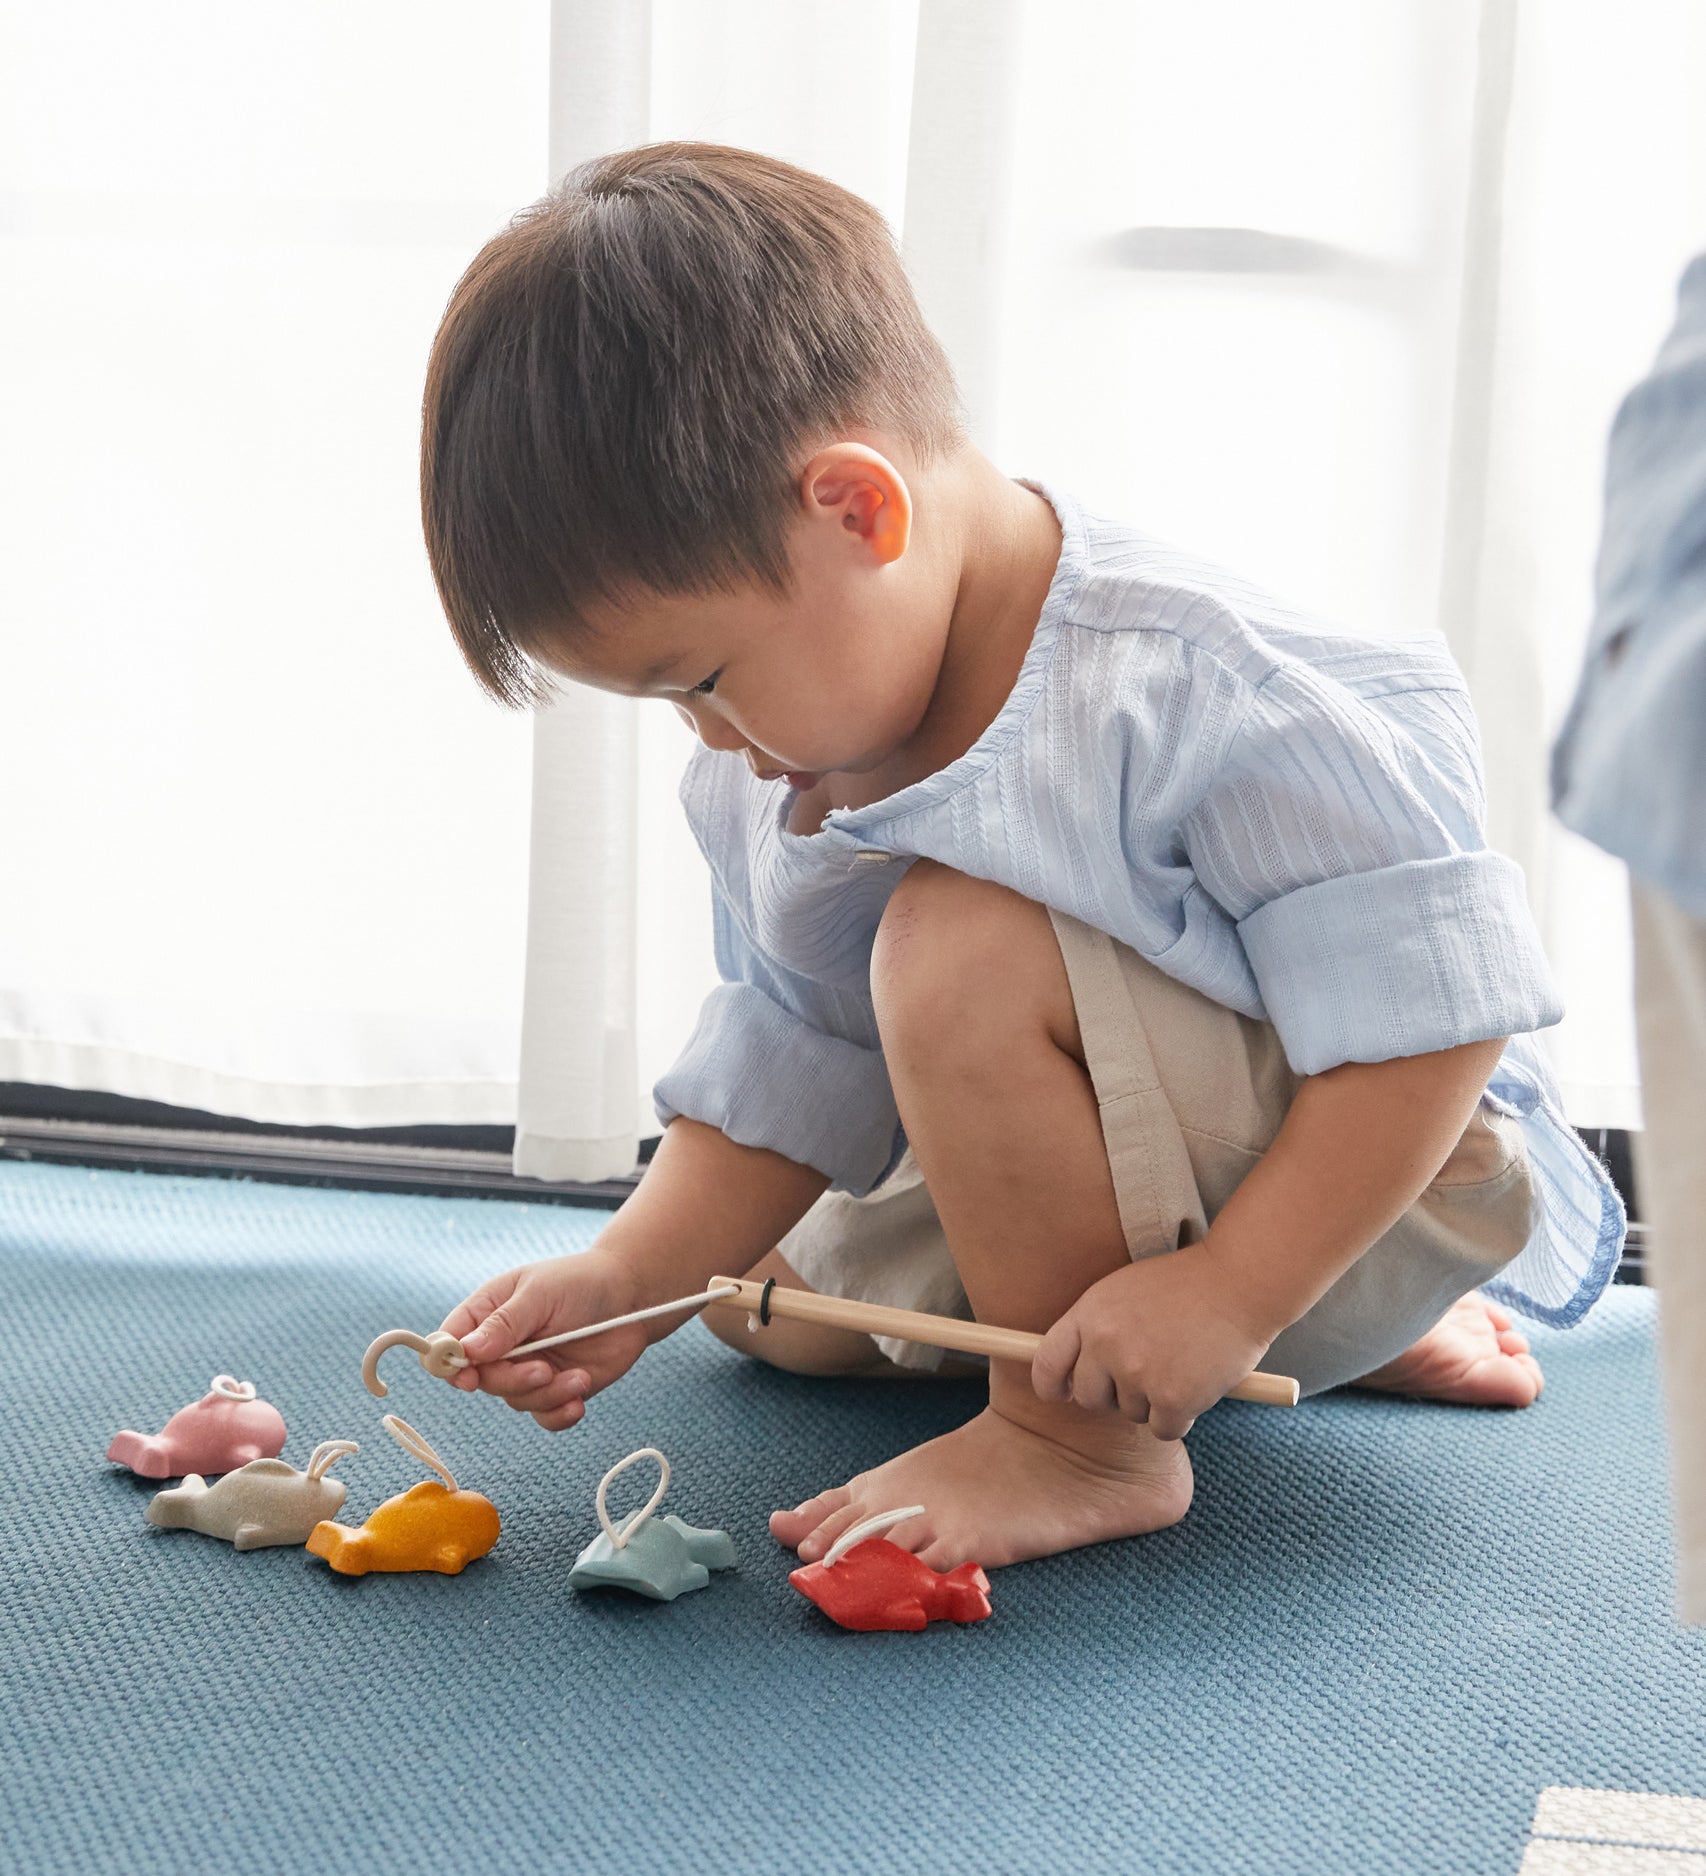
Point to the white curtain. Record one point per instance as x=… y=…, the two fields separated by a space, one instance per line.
x=1341 y=295
x=1346 y=296
x=1588 y=198
x=794 y=80
x=578 y=1113
x=263 y=847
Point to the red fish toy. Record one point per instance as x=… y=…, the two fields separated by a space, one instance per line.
x=865 y=1582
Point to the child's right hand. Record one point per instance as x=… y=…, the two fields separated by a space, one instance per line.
x=544 y=1299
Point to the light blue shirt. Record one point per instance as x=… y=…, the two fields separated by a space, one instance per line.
x=1629 y=770
x=1286 y=818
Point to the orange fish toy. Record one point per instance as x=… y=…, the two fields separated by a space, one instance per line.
x=865 y=1582
x=429 y=1527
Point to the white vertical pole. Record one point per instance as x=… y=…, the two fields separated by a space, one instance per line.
x=1488 y=596
x=578 y=1101
x=601 y=79
x=959 y=166
x=1468 y=471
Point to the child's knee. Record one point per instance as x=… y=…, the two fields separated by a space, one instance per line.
x=952 y=952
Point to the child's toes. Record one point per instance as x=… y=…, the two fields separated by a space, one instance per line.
x=1497 y=1314
x=939 y=1553
x=1511 y=1381
x=816 y=1543
x=788 y=1527
x=1512 y=1342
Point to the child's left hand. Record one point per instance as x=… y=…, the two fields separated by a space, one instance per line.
x=1158 y=1342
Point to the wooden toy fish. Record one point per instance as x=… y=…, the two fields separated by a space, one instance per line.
x=865 y=1582
x=429 y=1527
x=227 y=1428
x=657 y=1557
x=265 y=1502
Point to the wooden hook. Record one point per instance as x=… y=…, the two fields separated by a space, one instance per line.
x=440 y=1353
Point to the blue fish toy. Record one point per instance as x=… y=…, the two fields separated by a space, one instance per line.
x=657 y=1557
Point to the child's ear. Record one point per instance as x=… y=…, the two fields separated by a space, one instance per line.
x=863 y=494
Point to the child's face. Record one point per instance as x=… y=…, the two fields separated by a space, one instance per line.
x=830 y=678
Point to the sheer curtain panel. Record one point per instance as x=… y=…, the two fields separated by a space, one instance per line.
x=1340 y=295
x=578 y=1108
x=265 y=844
x=1588 y=198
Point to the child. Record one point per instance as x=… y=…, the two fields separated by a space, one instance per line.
x=1106 y=950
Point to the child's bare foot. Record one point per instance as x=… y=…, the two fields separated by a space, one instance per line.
x=1472 y=1355
x=1024 y=1482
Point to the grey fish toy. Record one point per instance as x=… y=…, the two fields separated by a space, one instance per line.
x=265 y=1502
x=657 y=1557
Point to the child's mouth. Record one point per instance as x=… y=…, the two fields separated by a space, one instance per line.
x=799 y=780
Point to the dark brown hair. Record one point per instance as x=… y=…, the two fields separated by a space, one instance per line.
x=626 y=379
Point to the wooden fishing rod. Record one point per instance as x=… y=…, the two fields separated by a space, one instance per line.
x=762 y=1301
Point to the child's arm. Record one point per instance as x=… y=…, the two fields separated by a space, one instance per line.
x=1164 y=1338
x=705 y=1206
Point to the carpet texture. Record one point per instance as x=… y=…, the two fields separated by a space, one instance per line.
x=1383 y=1629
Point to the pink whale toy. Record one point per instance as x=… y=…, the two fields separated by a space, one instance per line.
x=227 y=1428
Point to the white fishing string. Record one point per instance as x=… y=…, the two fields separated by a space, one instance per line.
x=435 y=1357
x=327 y=1454
x=619 y=1536
x=615 y=1322
x=415 y=1444
x=858 y=1532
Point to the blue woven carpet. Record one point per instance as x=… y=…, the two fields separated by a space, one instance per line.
x=1382 y=1629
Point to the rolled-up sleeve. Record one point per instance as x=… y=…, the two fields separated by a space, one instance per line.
x=1343 y=838
x=760 y=1069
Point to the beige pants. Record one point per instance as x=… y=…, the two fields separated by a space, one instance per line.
x=1670 y=1024
x=1191 y=1095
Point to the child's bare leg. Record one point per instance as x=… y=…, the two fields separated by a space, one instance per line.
x=800 y=1347
x=982 y=1047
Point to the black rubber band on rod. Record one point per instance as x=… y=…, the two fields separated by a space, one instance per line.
x=764 y=1303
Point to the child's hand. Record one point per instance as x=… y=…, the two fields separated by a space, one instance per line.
x=544 y=1299
x=1157 y=1341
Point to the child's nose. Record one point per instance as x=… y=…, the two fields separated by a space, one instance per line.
x=711 y=730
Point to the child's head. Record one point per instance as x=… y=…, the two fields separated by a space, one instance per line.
x=675 y=419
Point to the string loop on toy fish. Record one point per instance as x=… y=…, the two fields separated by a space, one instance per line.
x=415 y=1445
x=866 y=1527
x=619 y=1535
x=327 y=1454
x=231 y=1389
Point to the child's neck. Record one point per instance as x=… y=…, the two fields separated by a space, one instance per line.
x=1005 y=543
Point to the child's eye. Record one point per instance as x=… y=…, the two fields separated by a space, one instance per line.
x=705 y=689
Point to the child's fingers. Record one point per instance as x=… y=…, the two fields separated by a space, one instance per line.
x=1131 y=1402
x=1054 y=1361
x=504 y=1328
x=473 y=1310
x=567 y=1416
x=507 y=1379
x=557 y=1392
x=1093 y=1389
x=1170 y=1423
